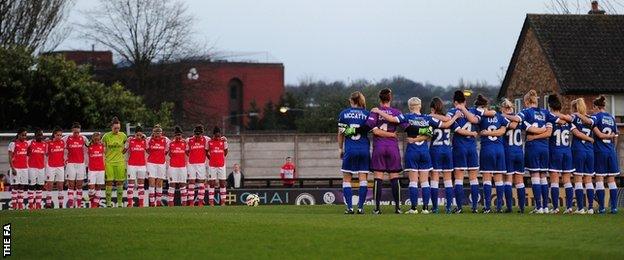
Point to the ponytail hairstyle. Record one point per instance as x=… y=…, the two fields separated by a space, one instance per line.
x=554 y=103
x=385 y=95
x=580 y=106
x=459 y=97
x=481 y=101
x=600 y=102
x=437 y=106
x=115 y=121
x=358 y=99
x=531 y=97
x=506 y=103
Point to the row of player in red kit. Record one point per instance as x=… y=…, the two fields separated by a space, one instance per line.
x=28 y=156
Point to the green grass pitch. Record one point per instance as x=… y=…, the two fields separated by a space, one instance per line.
x=317 y=232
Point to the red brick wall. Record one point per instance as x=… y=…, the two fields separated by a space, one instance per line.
x=207 y=99
x=531 y=71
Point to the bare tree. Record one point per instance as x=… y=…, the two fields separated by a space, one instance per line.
x=34 y=24
x=581 y=7
x=141 y=31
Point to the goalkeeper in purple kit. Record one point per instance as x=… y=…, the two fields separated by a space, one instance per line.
x=386 y=157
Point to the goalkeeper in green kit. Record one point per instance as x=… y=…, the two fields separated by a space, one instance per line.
x=115 y=162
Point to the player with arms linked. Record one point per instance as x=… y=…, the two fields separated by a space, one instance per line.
x=465 y=155
x=354 y=148
x=560 y=154
x=536 y=162
x=386 y=155
x=583 y=156
x=514 y=156
x=492 y=155
x=606 y=160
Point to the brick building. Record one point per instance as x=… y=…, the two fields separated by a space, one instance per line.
x=212 y=93
x=572 y=55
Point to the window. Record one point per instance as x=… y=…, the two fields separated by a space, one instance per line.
x=234 y=92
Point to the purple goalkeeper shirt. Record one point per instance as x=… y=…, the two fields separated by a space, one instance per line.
x=375 y=120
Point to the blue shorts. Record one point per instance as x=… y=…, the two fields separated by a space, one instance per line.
x=606 y=164
x=514 y=162
x=417 y=160
x=561 y=161
x=536 y=159
x=583 y=162
x=356 y=161
x=493 y=160
x=465 y=158
x=441 y=158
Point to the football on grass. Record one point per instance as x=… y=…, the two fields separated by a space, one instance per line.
x=252 y=200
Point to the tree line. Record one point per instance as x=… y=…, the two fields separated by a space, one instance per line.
x=313 y=106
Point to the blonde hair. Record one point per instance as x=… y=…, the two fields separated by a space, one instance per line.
x=414 y=104
x=358 y=99
x=580 y=106
x=531 y=97
x=506 y=103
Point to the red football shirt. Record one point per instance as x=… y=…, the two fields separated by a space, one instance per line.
x=56 y=153
x=197 y=149
x=36 y=154
x=136 y=150
x=177 y=153
x=216 y=148
x=288 y=173
x=157 y=149
x=96 y=157
x=20 y=151
x=75 y=147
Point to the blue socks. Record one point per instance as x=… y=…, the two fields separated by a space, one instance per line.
x=554 y=194
x=500 y=191
x=348 y=194
x=589 y=189
x=600 y=195
x=474 y=193
x=569 y=193
x=544 y=186
x=578 y=193
x=508 y=196
x=413 y=194
x=536 y=187
x=448 y=193
x=426 y=194
x=434 y=194
x=613 y=196
x=521 y=190
x=362 y=193
x=459 y=193
x=487 y=192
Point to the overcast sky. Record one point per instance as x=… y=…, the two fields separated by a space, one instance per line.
x=433 y=41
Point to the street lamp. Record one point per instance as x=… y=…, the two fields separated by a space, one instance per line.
x=284 y=110
x=225 y=118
